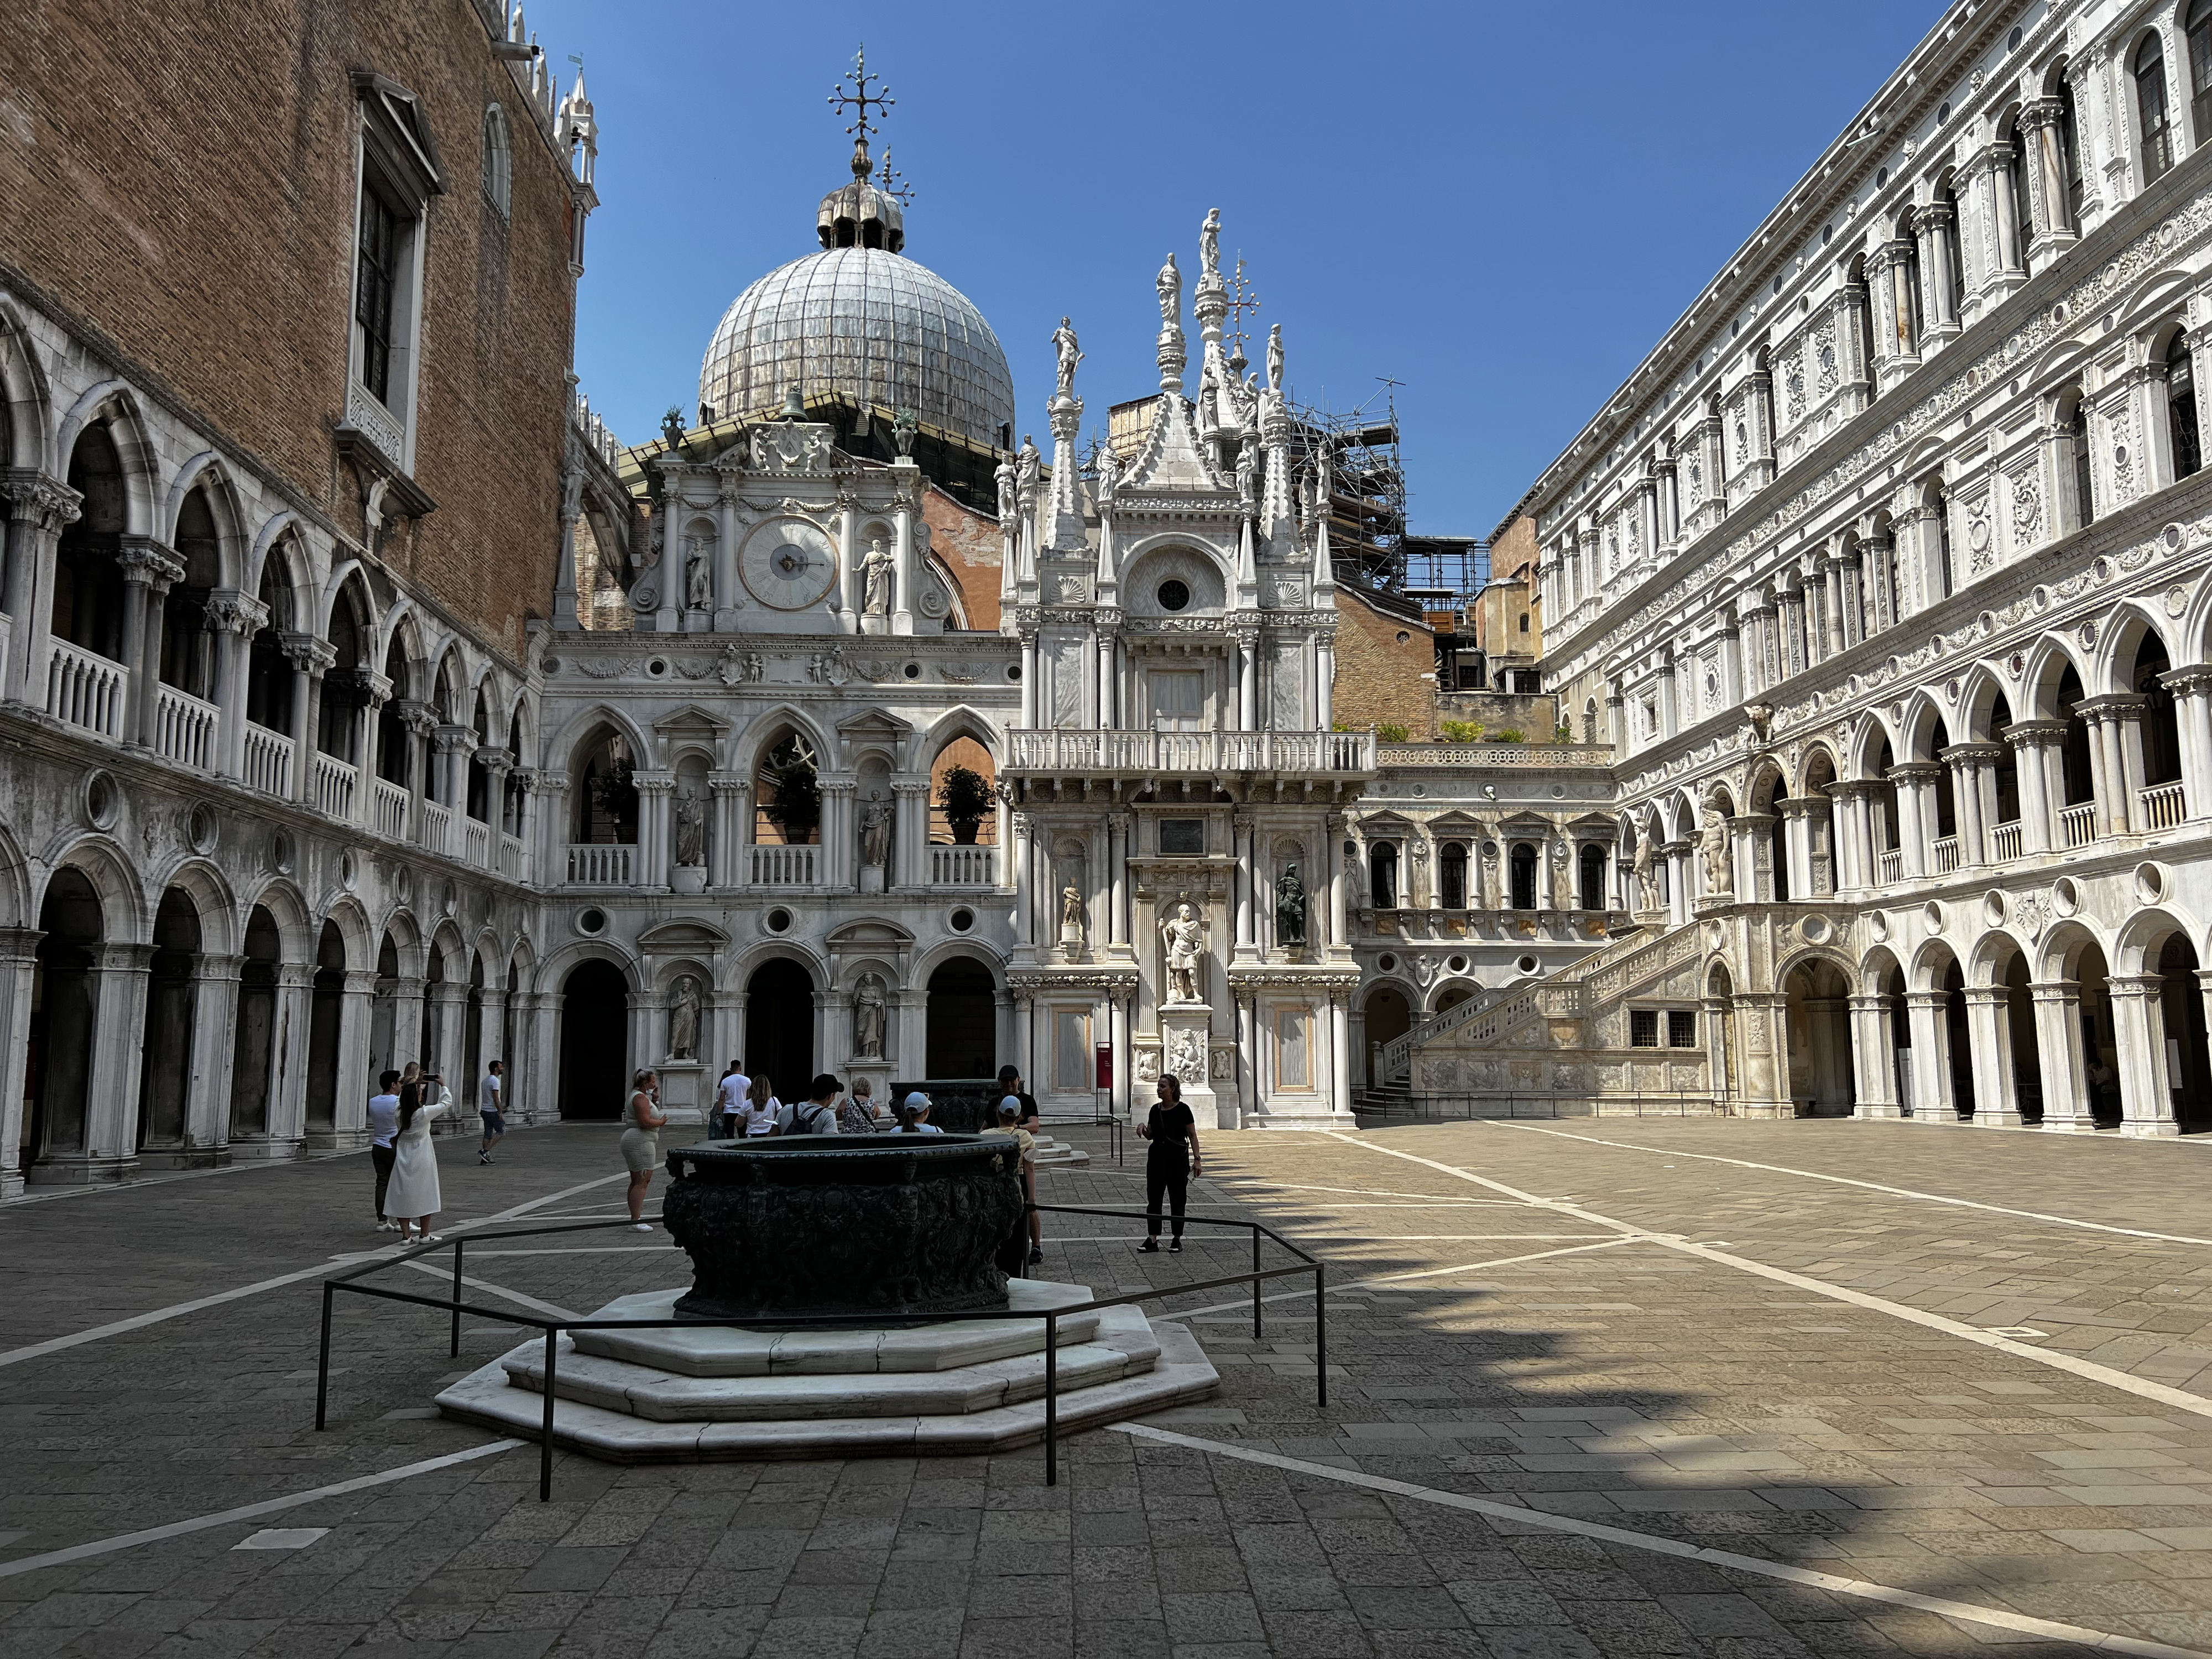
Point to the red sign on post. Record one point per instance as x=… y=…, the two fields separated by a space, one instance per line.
x=1105 y=1065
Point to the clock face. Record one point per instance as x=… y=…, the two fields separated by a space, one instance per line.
x=789 y=564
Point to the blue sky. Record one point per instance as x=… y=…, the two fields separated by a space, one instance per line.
x=1502 y=206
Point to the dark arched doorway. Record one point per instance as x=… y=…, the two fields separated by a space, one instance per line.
x=326 y=1003
x=254 y=1045
x=1388 y=1017
x=59 y=1078
x=779 y=1026
x=1817 y=1015
x=2181 y=1008
x=170 y=1004
x=962 y=1018
x=594 y=1040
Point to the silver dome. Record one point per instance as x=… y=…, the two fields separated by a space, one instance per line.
x=872 y=325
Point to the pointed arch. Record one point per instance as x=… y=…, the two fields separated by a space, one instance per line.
x=2049 y=660
x=124 y=912
x=563 y=749
x=1916 y=732
x=351 y=920
x=112 y=403
x=2120 y=641
x=28 y=397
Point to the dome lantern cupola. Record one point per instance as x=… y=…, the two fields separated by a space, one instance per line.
x=859 y=214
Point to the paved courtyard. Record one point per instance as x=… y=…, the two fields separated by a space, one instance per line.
x=1601 y=1387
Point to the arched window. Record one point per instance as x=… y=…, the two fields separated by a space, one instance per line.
x=2155 y=123
x=498 y=160
x=391 y=756
x=88 y=596
x=1860 y=300
x=1525 y=876
x=1452 y=866
x=2199 y=28
x=268 y=675
x=1593 y=876
x=187 y=646
x=2181 y=408
x=606 y=798
x=2072 y=427
x=2077 y=778
x=478 y=793
x=2161 y=732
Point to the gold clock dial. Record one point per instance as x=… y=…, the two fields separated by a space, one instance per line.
x=789 y=564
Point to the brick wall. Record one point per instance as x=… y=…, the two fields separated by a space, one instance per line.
x=1512 y=595
x=1380 y=661
x=968 y=545
x=181 y=183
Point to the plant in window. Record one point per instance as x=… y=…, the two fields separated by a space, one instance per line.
x=1562 y=733
x=614 y=792
x=966 y=798
x=796 y=809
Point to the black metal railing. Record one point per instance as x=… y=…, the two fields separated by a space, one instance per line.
x=553 y=1327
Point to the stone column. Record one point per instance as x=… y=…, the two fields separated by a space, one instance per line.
x=1873 y=1045
x=910 y=834
x=1247 y=679
x=2031 y=741
x=1764 y=1050
x=111 y=1102
x=18 y=961
x=1989 y=1025
x=1965 y=760
x=2005 y=273
x=1029 y=680
x=39 y=509
x=1889 y=272
x=1931 y=226
x=903 y=579
x=1932 y=1055
x=1118 y=827
x=311 y=658
x=840 y=855
x=2146 y=1094
x=1916 y=811
x=2115 y=757
x=2192 y=713
x=356 y=1009
x=1024 y=921
x=2053 y=225
x=148 y=571
x=215 y=1023
x=654 y=790
x=1339 y=1057
x=2059 y=1057
x=1836 y=636
x=1339 y=938
x=1243 y=877
x=1677 y=854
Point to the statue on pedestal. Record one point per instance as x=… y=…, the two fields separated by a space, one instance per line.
x=1183 y=947
x=1290 y=908
x=1209 y=246
x=1064 y=348
x=875 y=834
x=1275 y=357
x=690 y=829
x=698 y=579
x=1647 y=883
x=683 y=1020
x=1713 y=841
x=1007 y=504
x=1169 y=284
x=868 y=1018
x=1071 y=910
x=876 y=573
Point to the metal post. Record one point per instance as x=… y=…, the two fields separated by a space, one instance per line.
x=456 y=1349
x=1051 y=1399
x=322 y=1370
x=1321 y=1337
x=545 y=1447
x=1255 y=1283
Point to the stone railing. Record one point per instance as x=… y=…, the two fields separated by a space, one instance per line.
x=1190 y=753
x=2163 y=806
x=2077 y=825
x=963 y=866
x=1947 y=854
x=475 y=843
x=437 y=825
x=2005 y=841
x=601 y=864
x=86 y=689
x=388 y=809
x=333 y=782
x=510 y=855
x=1494 y=755
x=185 y=728
x=783 y=867
x=1891 y=869
x=266 y=761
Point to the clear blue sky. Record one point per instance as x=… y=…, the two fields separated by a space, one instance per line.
x=1502 y=206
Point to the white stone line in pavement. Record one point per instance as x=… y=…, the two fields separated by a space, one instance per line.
x=1355 y=1192
x=445 y=1276
x=2089 y=1370
x=248 y=1512
x=1870 y=1186
x=1658 y=1544
x=177 y=1311
x=1401 y=1278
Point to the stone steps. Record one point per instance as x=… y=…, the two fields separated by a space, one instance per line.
x=616 y=1409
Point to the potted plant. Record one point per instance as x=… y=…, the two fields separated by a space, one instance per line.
x=796 y=808
x=966 y=798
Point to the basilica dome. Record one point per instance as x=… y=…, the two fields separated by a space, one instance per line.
x=860 y=324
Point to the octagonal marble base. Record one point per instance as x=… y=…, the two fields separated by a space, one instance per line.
x=956 y=1388
x=1053 y=1154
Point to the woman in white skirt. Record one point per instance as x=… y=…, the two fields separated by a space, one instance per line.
x=413 y=1195
x=641 y=1141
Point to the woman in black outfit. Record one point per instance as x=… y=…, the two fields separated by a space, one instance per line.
x=1170 y=1129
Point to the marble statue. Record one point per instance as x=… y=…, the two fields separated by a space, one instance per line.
x=1289 y=907
x=1647 y=883
x=1187 y=1055
x=1248 y=471
x=683 y=1020
x=698 y=579
x=868 y=1018
x=1275 y=358
x=875 y=834
x=690 y=829
x=1713 y=841
x=1064 y=347
x=1209 y=246
x=1169 y=284
x=1109 y=474
x=1029 y=467
x=1183 y=943
x=1563 y=872
x=1071 y=909
x=876 y=573
x=1008 y=501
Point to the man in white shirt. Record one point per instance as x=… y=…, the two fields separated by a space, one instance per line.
x=383 y=1125
x=494 y=1126
x=729 y=1099
x=815 y=1115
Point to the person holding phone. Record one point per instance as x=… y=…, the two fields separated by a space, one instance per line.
x=641 y=1141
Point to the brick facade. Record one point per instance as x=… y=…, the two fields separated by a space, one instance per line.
x=203 y=234
x=1385 y=668
x=972 y=548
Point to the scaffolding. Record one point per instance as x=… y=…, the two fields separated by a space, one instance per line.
x=1366 y=506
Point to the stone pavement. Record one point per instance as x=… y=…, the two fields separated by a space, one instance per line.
x=1626 y=1361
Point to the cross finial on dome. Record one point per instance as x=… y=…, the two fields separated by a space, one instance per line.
x=860 y=101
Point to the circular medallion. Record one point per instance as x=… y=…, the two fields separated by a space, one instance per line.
x=788 y=564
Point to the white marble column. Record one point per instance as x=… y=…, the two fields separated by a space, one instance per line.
x=19 y=948
x=1874 y=1046
x=2138 y=1029
x=2059 y=1056
x=1988 y=1028
x=1925 y=1011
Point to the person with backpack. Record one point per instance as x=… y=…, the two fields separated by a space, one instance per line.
x=1018 y=1114
x=815 y=1115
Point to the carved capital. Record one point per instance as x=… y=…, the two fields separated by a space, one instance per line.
x=307 y=652
x=146 y=562
x=233 y=612
x=452 y=739
x=35 y=499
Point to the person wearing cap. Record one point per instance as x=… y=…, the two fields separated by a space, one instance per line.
x=815 y=1115
x=1018 y=1114
x=912 y=1113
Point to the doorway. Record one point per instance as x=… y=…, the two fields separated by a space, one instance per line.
x=779 y=1026
x=594 y=1040
x=962 y=1021
x=1817 y=1015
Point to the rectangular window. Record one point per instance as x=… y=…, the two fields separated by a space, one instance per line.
x=1184 y=836
x=1681 y=1028
x=1071 y=1050
x=1178 y=700
x=1644 y=1028
x=1293 y=1069
x=374 y=283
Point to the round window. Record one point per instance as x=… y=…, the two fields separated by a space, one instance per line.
x=777 y=921
x=1386 y=962
x=1526 y=964
x=1403 y=636
x=1457 y=965
x=1014 y=670
x=913 y=671
x=593 y=920
x=962 y=920
x=1174 y=595
x=657 y=667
